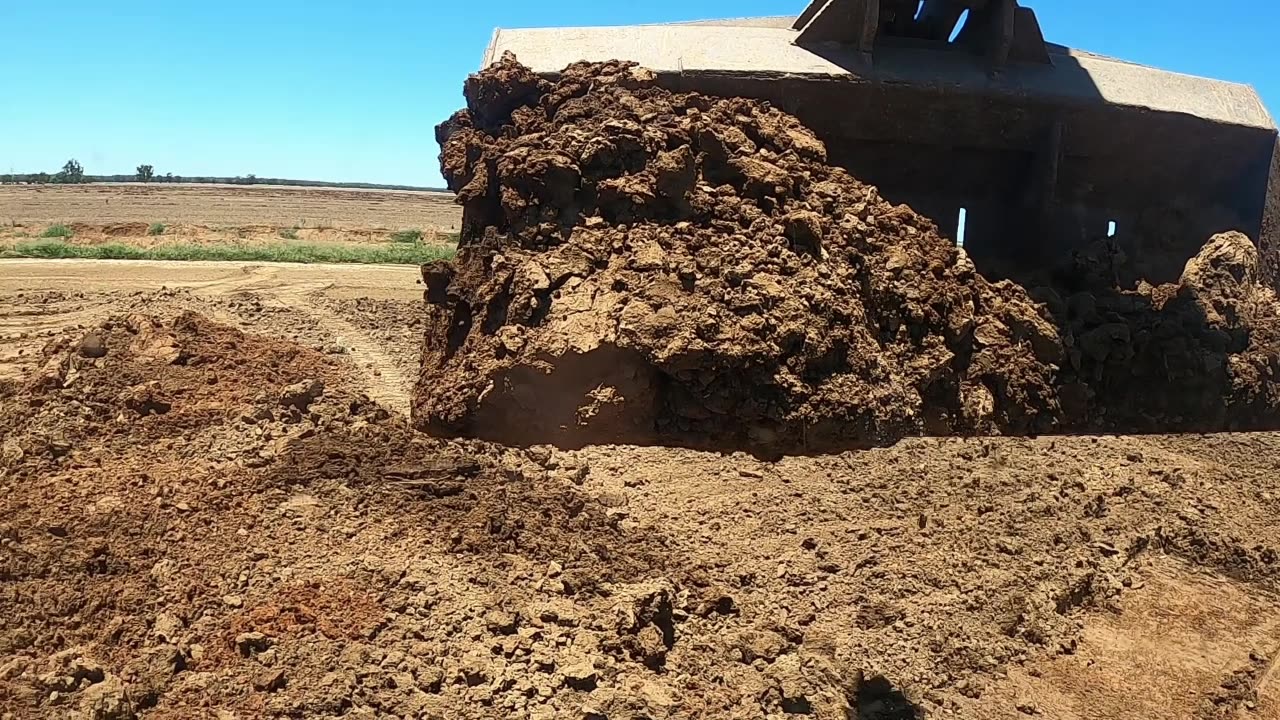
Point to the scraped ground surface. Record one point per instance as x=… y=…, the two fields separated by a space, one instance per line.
x=110 y=207
x=191 y=527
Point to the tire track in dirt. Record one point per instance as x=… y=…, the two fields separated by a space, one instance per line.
x=88 y=291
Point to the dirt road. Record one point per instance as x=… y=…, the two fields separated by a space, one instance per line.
x=342 y=308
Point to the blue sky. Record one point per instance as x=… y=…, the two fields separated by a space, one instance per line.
x=328 y=90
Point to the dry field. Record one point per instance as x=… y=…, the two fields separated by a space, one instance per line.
x=228 y=205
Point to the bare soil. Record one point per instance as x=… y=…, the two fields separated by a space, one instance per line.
x=214 y=502
x=192 y=530
x=214 y=207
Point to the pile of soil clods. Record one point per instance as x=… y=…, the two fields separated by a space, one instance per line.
x=638 y=265
x=1202 y=354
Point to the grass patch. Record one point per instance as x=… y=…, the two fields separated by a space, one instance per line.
x=156 y=229
x=409 y=237
x=281 y=252
x=288 y=233
x=57 y=231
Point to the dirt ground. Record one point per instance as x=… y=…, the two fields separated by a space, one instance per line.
x=190 y=527
x=230 y=206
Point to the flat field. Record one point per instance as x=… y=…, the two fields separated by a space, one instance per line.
x=229 y=205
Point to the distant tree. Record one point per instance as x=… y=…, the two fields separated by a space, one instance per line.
x=145 y=173
x=41 y=178
x=6 y=179
x=72 y=172
x=251 y=179
x=168 y=177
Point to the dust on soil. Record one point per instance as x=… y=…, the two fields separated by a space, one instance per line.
x=648 y=267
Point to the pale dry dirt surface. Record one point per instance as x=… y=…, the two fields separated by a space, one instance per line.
x=338 y=309
x=121 y=211
x=138 y=234
x=205 y=513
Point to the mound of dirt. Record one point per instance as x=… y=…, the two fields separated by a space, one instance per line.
x=641 y=266
x=634 y=260
x=1202 y=354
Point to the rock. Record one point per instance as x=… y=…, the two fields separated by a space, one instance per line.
x=579 y=674
x=253 y=642
x=167 y=628
x=809 y=684
x=430 y=679
x=83 y=668
x=804 y=230
x=501 y=622
x=147 y=398
x=234 y=601
x=93 y=345
x=301 y=394
x=269 y=680
x=107 y=700
x=14 y=668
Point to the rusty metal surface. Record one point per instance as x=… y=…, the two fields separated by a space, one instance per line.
x=770 y=52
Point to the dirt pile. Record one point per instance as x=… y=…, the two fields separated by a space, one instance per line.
x=634 y=259
x=273 y=544
x=198 y=517
x=641 y=266
x=1201 y=354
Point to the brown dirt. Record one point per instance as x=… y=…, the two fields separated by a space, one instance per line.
x=182 y=539
x=648 y=267
x=213 y=504
x=232 y=206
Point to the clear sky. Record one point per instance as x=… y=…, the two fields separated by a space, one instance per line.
x=350 y=90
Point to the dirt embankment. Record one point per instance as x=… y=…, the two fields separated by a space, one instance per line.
x=643 y=266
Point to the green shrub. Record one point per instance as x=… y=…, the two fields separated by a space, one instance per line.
x=407 y=236
x=280 y=252
x=156 y=229
x=57 y=230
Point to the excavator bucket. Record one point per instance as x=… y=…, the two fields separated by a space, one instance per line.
x=949 y=105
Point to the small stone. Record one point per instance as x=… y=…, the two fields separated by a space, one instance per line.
x=501 y=621
x=430 y=679
x=107 y=700
x=13 y=668
x=269 y=680
x=93 y=345
x=234 y=601
x=580 y=675
x=253 y=642
x=301 y=394
x=167 y=627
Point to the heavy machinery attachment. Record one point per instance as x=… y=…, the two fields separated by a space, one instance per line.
x=950 y=104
